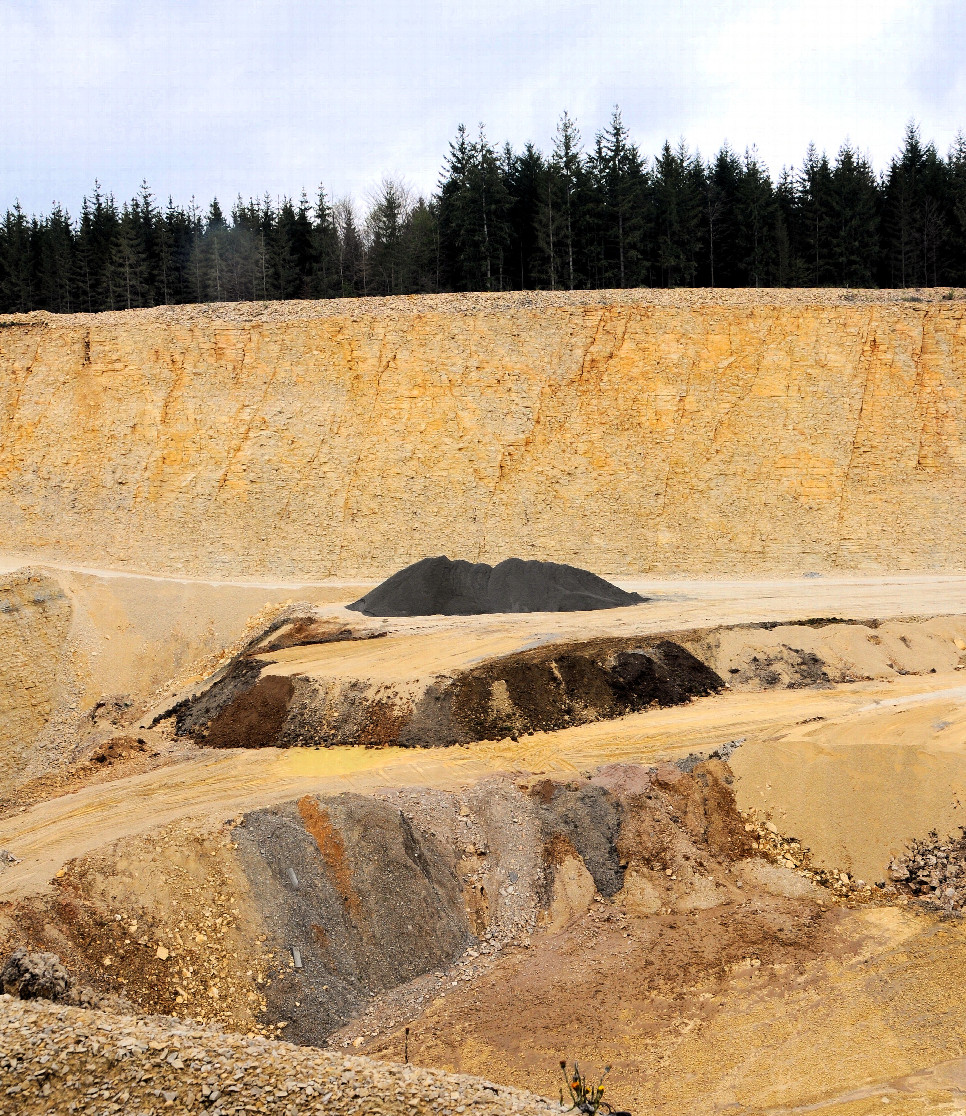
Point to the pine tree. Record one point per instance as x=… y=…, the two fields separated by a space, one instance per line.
x=146 y=220
x=129 y=267
x=422 y=249
x=756 y=223
x=915 y=214
x=621 y=182
x=788 y=263
x=385 y=226
x=525 y=184
x=853 y=231
x=325 y=279
x=455 y=214
x=57 y=261
x=16 y=279
x=677 y=185
x=720 y=209
x=567 y=179
x=83 y=267
x=815 y=218
x=352 y=256
x=475 y=214
x=956 y=178
x=179 y=232
x=550 y=224
x=213 y=251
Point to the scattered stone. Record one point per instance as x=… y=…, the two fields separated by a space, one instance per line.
x=791 y=855
x=50 y=1054
x=934 y=870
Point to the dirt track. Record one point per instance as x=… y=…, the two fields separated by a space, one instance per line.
x=854 y=770
x=794 y=727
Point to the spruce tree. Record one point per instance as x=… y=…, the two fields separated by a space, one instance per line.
x=526 y=176
x=386 y=226
x=421 y=249
x=720 y=210
x=915 y=214
x=15 y=265
x=621 y=183
x=956 y=179
x=756 y=223
x=815 y=218
x=677 y=188
x=56 y=235
x=325 y=252
x=853 y=231
x=567 y=186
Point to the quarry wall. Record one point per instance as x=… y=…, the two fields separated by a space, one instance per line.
x=35 y=616
x=731 y=433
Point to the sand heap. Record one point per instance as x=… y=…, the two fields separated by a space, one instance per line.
x=439 y=586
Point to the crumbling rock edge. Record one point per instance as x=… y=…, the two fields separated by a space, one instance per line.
x=49 y=1053
x=541 y=689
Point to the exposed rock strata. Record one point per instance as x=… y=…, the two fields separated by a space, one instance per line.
x=301 y=916
x=683 y=432
x=35 y=617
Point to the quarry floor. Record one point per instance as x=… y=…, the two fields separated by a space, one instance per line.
x=821 y=762
x=869 y=1015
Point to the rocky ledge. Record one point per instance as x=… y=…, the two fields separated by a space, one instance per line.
x=58 y=1059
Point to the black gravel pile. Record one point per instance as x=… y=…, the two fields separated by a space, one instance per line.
x=441 y=587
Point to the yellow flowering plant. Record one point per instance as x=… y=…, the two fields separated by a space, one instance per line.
x=584 y=1095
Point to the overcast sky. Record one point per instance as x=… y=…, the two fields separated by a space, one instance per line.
x=220 y=97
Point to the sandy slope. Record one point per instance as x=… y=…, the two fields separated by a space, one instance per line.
x=853 y=816
x=853 y=770
x=876 y=1016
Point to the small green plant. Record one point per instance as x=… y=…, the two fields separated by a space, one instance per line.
x=585 y=1097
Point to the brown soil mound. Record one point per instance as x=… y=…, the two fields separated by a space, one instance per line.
x=544 y=689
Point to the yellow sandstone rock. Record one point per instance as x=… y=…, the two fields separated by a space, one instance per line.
x=680 y=432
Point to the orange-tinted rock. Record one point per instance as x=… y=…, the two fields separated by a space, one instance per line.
x=681 y=432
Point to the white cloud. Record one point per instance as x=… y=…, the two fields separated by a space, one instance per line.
x=227 y=96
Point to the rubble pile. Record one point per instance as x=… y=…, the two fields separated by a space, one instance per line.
x=55 y=1058
x=934 y=869
x=789 y=852
x=35 y=976
x=28 y=975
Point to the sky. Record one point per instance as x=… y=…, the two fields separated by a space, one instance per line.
x=226 y=97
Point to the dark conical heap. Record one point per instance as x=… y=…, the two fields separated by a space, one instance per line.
x=439 y=586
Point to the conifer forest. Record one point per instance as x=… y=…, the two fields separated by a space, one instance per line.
x=584 y=215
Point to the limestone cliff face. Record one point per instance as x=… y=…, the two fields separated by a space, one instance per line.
x=677 y=433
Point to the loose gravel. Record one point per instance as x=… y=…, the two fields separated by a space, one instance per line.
x=58 y=1059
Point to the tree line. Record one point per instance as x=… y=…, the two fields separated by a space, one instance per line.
x=595 y=216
